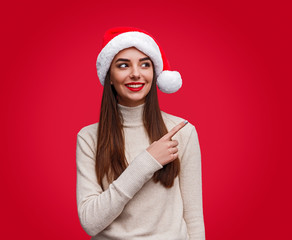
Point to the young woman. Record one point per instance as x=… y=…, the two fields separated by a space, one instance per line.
x=138 y=169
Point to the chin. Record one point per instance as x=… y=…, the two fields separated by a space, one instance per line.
x=134 y=101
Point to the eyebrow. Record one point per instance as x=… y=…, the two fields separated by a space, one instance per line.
x=144 y=59
x=127 y=60
x=123 y=60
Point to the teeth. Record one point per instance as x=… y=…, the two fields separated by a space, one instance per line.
x=134 y=85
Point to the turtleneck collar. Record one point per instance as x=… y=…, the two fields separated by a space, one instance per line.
x=132 y=116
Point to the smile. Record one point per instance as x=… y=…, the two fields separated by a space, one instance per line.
x=135 y=86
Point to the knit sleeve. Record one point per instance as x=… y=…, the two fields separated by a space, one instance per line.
x=97 y=209
x=191 y=187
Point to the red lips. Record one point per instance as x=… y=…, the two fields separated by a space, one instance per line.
x=135 y=86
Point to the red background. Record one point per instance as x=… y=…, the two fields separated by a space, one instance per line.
x=235 y=61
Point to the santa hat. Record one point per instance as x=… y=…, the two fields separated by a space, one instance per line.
x=117 y=39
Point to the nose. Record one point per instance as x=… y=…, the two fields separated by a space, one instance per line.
x=135 y=74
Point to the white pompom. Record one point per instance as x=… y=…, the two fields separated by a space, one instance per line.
x=169 y=81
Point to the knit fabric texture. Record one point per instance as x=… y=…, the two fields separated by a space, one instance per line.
x=133 y=206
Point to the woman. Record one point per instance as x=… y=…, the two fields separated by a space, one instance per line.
x=135 y=178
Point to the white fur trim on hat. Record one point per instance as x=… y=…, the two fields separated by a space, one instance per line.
x=139 y=40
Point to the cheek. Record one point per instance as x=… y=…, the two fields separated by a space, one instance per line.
x=118 y=87
x=149 y=85
x=149 y=76
x=116 y=78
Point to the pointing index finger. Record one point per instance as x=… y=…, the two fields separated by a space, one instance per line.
x=174 y=130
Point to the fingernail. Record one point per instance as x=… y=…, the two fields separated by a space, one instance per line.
x=186 y=121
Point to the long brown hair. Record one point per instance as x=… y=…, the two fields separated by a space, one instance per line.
x=110 y=155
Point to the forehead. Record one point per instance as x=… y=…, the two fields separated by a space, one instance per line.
x=130 y=53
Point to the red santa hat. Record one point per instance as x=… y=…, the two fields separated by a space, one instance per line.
x=117 y=39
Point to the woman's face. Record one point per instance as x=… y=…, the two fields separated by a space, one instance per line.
x=131 y=74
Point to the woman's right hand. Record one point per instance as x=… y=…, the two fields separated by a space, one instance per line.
x=165 y=149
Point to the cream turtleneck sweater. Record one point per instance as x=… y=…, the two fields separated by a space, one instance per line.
x=133 y=206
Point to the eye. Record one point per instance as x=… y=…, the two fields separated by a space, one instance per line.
x=123 y=65
x=146 y=64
